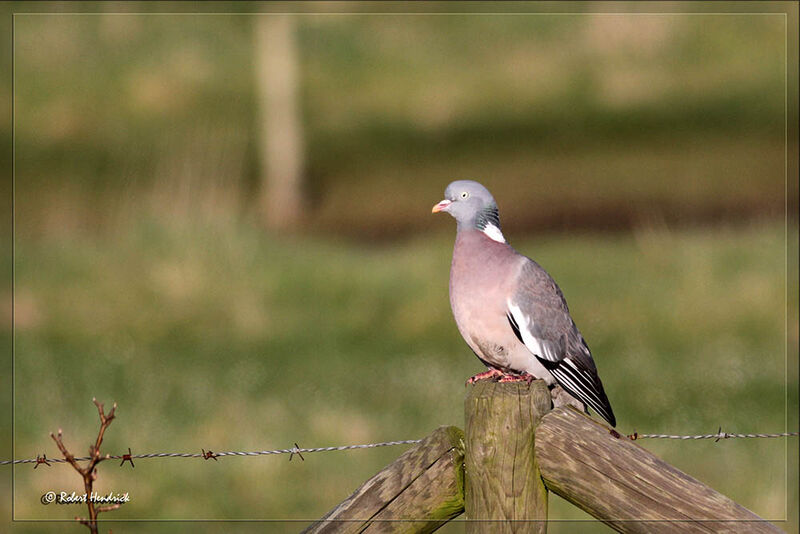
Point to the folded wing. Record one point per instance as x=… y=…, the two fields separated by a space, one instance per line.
x=539 y=317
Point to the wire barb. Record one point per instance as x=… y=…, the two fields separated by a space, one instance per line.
x=296 y=450
x=127 y=458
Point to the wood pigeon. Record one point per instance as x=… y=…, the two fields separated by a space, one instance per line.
x=510 y=312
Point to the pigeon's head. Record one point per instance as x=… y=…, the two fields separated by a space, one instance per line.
x=472 y=206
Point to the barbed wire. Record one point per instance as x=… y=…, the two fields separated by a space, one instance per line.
x=716 y=437
x=210 y=455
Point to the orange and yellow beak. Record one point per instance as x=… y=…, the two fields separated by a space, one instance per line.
x=441 y=206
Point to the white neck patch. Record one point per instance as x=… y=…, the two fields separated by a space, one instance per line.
x=494 y=233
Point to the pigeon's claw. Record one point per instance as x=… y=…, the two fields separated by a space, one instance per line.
x=513 y=377
x=486 y=375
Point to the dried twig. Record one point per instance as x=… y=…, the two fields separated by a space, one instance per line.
x=89 y=473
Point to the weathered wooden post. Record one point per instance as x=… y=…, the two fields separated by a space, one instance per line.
x=417 y=493
x=503 y=489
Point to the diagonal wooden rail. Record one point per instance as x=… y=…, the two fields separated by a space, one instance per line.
x=418 y=492
x=516 y=450
x=626 y=486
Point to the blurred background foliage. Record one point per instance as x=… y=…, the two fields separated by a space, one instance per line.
x=639 y=158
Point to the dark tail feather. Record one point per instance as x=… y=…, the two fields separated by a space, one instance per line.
x=584 y=386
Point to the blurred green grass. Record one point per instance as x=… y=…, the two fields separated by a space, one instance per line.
x=223 y=338
x=599 y=117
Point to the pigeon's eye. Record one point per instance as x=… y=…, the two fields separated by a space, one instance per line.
x=464 y=195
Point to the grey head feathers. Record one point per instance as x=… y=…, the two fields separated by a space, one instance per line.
x=473 y=207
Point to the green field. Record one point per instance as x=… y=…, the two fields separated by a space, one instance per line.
x=226 y=339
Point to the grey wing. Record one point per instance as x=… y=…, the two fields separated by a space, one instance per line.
x=539 y=316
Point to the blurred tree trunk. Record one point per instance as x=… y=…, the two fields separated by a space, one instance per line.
x=280 y=131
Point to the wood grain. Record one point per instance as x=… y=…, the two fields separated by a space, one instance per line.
x=626 y=486
x=504 y=492
x=418 y=492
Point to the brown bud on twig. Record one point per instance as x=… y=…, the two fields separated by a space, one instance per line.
x=108 y=507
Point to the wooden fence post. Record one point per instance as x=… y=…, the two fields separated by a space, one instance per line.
x=626 y=486
x=504 y=491
x=417 y=493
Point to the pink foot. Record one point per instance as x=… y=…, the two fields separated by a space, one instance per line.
x=513 y=377
x=491 y=373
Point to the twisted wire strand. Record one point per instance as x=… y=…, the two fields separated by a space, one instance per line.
x=717 y=436
x=300 y=450
x=209 y=455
